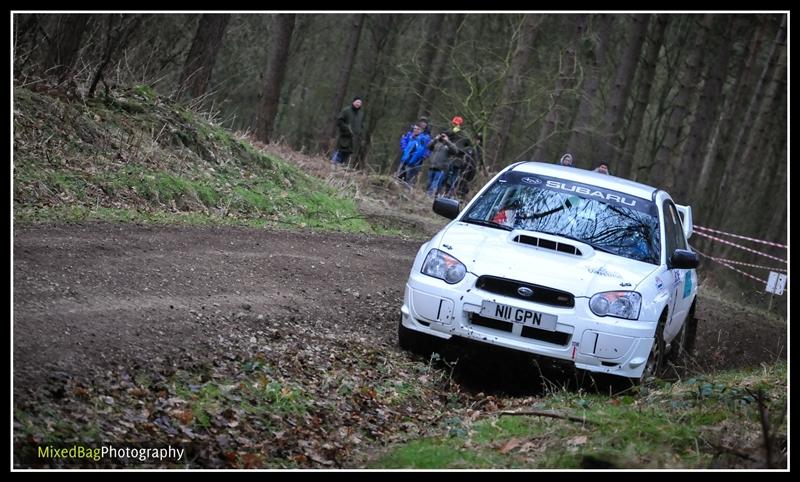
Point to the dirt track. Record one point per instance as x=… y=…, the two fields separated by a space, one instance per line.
x=87 y=297
x=96 y=305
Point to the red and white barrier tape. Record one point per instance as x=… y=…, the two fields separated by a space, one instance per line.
x=730 y=267
x=742 y=272
x=770 y=243
x=771 y=268
x=741 y=247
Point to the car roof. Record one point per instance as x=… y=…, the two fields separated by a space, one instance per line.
x=584 y=176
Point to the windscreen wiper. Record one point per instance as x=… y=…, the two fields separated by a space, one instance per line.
x=567 y=205
x=490 y=224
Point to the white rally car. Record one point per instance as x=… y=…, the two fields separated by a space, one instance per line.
x=563 y=263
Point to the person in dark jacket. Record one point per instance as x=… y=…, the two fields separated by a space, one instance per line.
x=472 y=159
x=349 y=123
x=456 y=161
x=441 y=149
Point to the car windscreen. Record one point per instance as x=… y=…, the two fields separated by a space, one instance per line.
x=607 y=220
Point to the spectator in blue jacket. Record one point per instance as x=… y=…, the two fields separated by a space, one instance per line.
x=423 y=124
x=414 y=151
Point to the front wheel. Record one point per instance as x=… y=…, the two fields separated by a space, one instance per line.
x=684 y=342
x=413 y=341
x=655 y=360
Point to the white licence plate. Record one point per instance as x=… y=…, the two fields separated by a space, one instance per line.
x=531 y=318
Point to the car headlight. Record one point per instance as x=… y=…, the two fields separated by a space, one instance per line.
x=443 y=266
x=621 y=304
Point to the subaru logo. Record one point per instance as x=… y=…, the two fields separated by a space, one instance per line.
x=531 y=180
x=525 y=291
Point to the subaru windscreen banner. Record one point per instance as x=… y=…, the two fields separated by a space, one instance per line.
x=586 y=191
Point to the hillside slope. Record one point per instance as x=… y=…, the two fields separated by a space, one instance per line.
x=132 y=155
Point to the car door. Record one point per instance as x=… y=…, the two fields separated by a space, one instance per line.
x=682 y=280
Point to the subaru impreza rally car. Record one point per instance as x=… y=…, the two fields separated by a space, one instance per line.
x=563 y=263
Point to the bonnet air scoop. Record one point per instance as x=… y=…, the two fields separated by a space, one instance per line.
x=548 y=242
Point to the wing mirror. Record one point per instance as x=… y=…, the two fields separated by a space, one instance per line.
x=683 y=259
x=446 y=207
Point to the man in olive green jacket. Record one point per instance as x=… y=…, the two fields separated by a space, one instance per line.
x=349 y=124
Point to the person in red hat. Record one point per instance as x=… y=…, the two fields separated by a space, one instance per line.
x=447 y=158
x=456 y=159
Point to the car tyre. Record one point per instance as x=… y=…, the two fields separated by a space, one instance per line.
x=690 y=338
x=413 y=341
x=655 y=360
x=684 y=342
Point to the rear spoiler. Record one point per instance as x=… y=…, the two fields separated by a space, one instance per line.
x=686 y=218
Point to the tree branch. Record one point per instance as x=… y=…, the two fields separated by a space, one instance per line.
x=764 y=416
x=549 y=413
x=733 y=451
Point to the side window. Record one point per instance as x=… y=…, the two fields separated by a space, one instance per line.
x=674 y=229
x=669 y=231
x=680 y=239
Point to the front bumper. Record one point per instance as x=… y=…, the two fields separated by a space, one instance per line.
x=598 y=344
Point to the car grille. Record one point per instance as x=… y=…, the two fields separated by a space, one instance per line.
x=541 y=294
x=554 y=337
x=490 y=323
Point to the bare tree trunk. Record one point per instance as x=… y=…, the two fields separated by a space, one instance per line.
x=29 y=36
x=26 y=28
x=65 y=45
x=720 y=148
x=582 y=141
x=356 y=25
x=733 y=160
x=648 y=72
x=116 y=39
x=691 y=160
x=426 y=66
x=777 y=228
x=626 y=71
x=745 y=136
x=770 y=185
x=759 y=193
x=667 y=156
x=739 y=212
x=773 y=225
x=767 y=111
x=681 y=36
x=202 y=55
x=427 y=53
x=385 y=37
x=452 y=23
x=504 y=114
x=566 y=75
x=26 y=34
x=273 y=77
